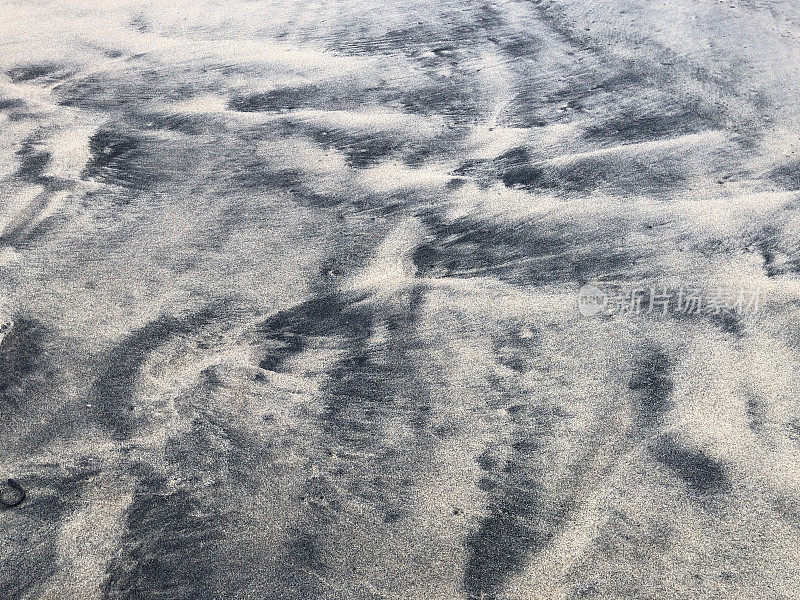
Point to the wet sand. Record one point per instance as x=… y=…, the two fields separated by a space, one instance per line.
x=292 y=293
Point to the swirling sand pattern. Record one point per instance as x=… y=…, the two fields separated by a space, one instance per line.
x=291 y=292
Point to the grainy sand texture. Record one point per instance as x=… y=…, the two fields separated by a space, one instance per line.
x=404 y=300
